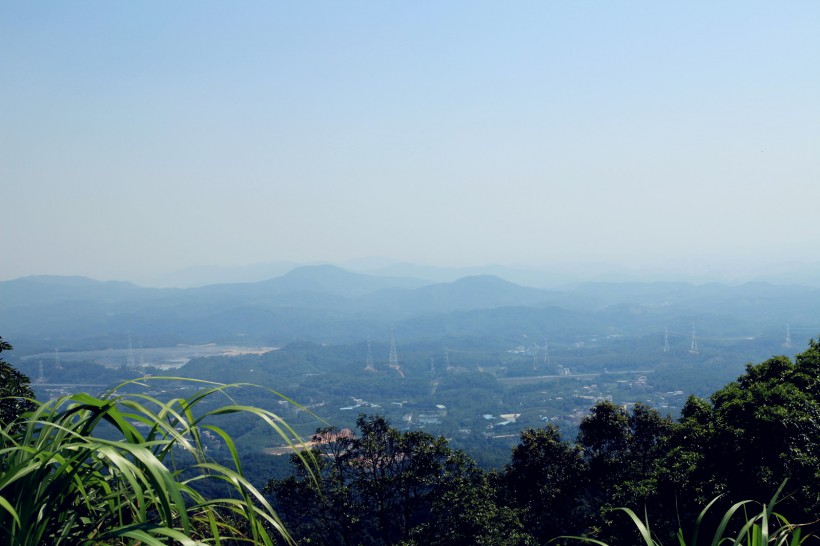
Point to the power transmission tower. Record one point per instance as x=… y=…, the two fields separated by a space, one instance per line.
x=788 y=343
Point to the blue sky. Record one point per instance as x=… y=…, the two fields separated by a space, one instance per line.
x=141 y=138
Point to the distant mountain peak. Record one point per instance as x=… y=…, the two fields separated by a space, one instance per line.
x=311 y=271
x=483 y=280
x=332 y=279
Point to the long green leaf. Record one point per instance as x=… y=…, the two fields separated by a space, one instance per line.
x=65 y=485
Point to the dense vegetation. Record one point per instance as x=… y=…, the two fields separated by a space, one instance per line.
x=16 y=396
x=127 y=467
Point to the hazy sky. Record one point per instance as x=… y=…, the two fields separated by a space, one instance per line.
x=137 y=138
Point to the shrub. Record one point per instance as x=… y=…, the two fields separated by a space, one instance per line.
x=125 y=468
x=762 y=528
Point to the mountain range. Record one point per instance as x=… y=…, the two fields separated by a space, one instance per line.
x=328 y=304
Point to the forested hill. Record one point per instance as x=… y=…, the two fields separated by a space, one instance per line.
x=326 y=304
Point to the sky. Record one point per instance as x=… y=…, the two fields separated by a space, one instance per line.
x=140 y=138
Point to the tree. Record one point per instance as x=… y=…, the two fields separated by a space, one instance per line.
x=544 y=480
x=321 y=507
x=16 y=396
x=748 y=438
x=766 y=428
x=648 y=435
x=604 y=437
x=465 y=512
x=683 y=486
x=373 y=488
x=623 y=450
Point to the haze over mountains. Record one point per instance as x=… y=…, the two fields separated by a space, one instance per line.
x=557 y=275
x=478 y=345
x=329 y=304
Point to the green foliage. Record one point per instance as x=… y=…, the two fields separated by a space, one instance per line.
x=383 y=486
x=622 y=450
x=466 y=513
x=543 y=481
x=756 y=432
x=124 y=469
x=682 y=483
x=604 y=435
x=757 y=529
x=16 y=396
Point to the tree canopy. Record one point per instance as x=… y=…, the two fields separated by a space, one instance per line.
x=383 y=486
x=16 y=396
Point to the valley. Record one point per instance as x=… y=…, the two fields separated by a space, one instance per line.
x=476 y=360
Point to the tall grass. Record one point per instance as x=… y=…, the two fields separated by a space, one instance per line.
x=760 y=527
x=123 y=468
